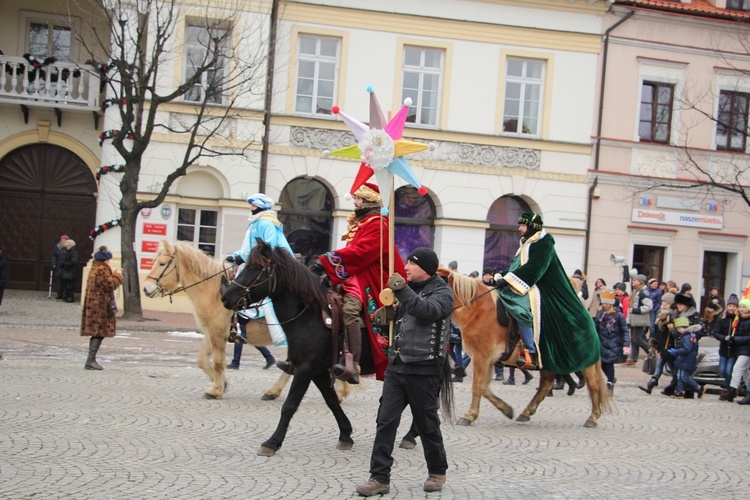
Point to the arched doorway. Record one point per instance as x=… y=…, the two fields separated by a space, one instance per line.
x=307 y=215
x=501 y=238
x=45 y=191
x=415 y=220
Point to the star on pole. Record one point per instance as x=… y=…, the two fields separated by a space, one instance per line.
x=381 y=148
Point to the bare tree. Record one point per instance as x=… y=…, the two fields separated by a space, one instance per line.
x=223 y=52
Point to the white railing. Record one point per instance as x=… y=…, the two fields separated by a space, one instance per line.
x=59 y=84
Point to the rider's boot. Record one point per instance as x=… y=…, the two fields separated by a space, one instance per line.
x=354 y=335
x=285 y=366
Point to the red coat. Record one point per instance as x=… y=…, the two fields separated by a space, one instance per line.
x=363 y=271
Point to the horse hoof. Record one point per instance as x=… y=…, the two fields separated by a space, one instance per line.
x=344 y=445
x=509 y=414
x=208 y=395
x=522 y=418
x=407 y=445
x=464 y=421
x=265 y=451
x=267 y=397
x=590 y=424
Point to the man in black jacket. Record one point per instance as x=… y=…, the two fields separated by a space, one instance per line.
x=416 y=372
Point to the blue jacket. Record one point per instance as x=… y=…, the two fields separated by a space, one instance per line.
x=687 y=354
x=268 y=229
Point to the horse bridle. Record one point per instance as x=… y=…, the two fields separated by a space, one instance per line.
x=243 y=301
x=175 y=268
x=158 y=279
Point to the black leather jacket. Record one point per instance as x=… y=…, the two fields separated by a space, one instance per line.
x=423 y=321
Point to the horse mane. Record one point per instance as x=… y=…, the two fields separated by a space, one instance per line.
x=464 y=288
x=297 y=278
x=196 y=260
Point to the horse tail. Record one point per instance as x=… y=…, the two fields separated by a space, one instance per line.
x=446 y=392
x=605 y=400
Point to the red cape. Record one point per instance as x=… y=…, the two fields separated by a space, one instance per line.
x=361 y=268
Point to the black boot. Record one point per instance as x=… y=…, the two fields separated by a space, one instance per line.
x=649 y=385
x=729 y=395
x=285 y=366
x=745 y=400
x=559 y=383
x=581 y=380
x=571 y=384
x=94 y=345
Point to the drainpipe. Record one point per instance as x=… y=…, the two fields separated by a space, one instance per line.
x=269 y=95
x=600 y=120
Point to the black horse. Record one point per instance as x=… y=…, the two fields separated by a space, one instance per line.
x=298 y=298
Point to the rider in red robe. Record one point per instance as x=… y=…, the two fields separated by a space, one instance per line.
x=363 y=271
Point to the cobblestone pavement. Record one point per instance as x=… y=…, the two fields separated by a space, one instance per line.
x=140 y=429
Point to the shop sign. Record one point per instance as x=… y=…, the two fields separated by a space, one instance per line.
x=709 y=221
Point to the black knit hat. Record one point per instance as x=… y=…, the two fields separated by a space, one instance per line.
x=684 y=299
x=426 y=258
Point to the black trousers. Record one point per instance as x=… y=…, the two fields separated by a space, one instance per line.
x=421 y=393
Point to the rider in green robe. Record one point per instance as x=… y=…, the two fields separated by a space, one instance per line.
x=536 y=284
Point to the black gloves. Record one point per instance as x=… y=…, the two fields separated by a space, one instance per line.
x=235 y=259
x=316 y=267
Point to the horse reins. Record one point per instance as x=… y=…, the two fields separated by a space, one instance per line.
x=242 y=303
x=174 y=268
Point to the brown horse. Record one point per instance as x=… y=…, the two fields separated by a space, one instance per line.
x=485 y=340
x=180 y=264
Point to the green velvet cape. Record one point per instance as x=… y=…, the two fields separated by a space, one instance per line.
x=563 y=329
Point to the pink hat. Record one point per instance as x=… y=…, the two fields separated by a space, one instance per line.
x=64 y=237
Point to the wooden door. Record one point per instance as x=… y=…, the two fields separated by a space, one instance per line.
x=45 y=191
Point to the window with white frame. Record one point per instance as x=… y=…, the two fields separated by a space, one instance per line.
x=522 y=111
x=731 y=120
x=48 y=35
x=317 y=67
x=205 y=51
x=198 y=226
x=422 y=79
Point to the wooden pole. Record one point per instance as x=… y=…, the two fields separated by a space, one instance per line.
x=391 y=245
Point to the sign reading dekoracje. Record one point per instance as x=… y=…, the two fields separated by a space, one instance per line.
x=665 y=217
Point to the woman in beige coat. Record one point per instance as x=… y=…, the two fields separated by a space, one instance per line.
x=98 y=320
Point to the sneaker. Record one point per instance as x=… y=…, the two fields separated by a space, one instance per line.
x=629 y=362
x=509 y=381
x=373 y=487
x=678 y=395
x=434 y=482
x=499 y=377
x=529 y=378
x=232 y=366
x=269 y=364
x=699 y=392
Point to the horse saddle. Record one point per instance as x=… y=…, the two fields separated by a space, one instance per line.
x=502 y=313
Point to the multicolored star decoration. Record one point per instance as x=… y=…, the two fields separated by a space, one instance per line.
x=381 y=148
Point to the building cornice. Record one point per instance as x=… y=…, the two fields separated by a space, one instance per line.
x=433 y=27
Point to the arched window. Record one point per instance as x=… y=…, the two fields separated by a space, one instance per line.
x=415 y=216
x=501 y=239
x=306 y=212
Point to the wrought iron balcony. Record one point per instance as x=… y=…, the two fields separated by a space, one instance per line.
x=51 y=84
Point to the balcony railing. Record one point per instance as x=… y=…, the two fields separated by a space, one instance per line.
x=58 y=85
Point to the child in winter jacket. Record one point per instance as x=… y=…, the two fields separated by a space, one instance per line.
x=687 y=323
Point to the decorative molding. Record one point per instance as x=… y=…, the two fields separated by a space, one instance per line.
x=443 y=151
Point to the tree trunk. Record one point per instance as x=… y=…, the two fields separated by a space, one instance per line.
x=131 y=285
